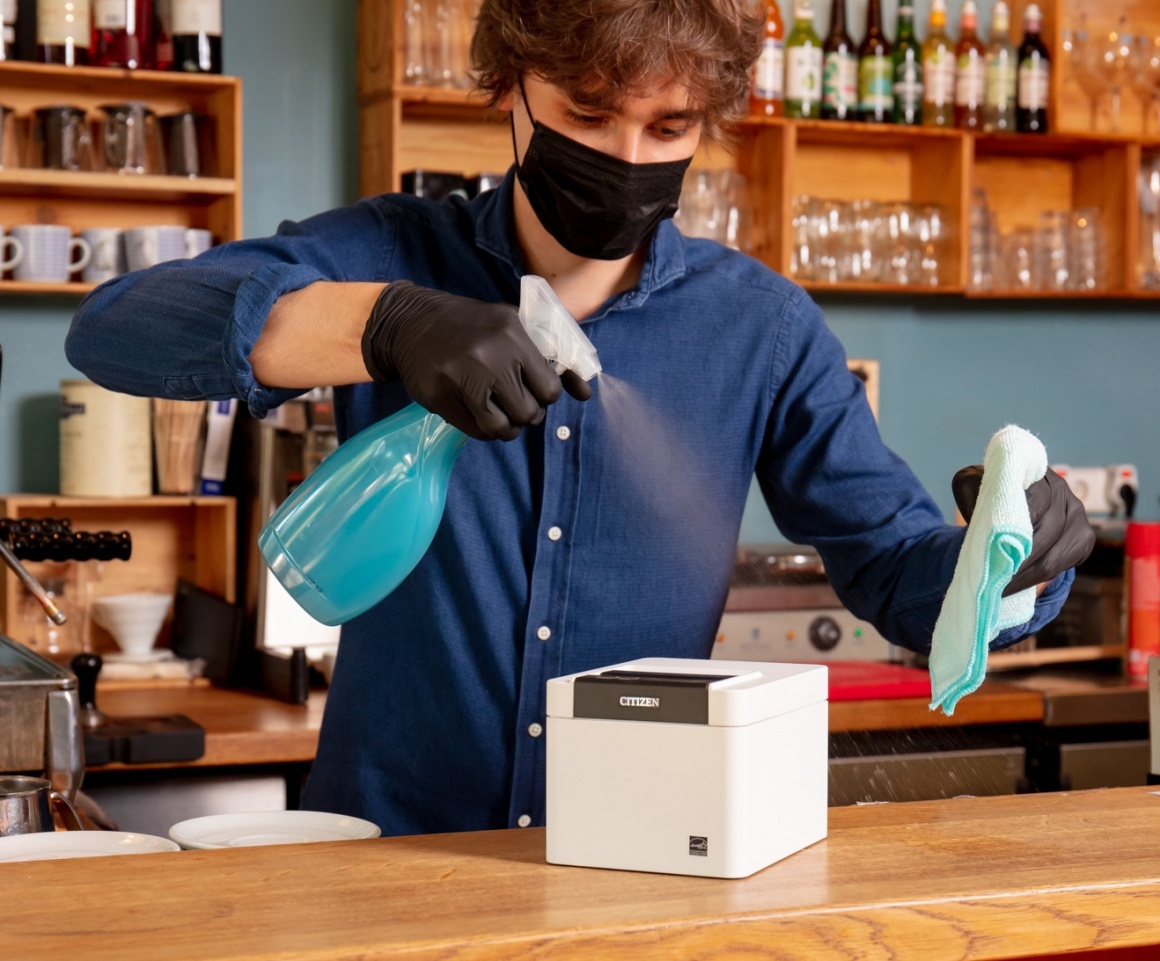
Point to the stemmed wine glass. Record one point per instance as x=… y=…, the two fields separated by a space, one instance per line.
x=1079 y=59
x=1112 y=55
x=1144 y=76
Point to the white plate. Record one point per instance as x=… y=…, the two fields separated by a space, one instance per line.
x=51 y=846
x=269 y=827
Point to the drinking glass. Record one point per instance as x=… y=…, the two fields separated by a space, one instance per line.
x=931 y=227
x=825 y=227
x=699 y=213
x=801 y=259
x=1018 y=260
x=981 y=251
x=858 y=261
x=1053 y=254
x=1086 y=250
x=414 y=41
x=733 y=191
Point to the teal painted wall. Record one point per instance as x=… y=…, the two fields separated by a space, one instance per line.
x=1082 y=377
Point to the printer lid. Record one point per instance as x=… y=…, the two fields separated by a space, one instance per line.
x=688 y=691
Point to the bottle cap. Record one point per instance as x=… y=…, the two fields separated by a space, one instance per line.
x=970 y=14
x=1001 y=17
x=1032 y=16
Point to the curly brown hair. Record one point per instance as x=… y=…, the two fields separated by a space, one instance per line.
x=599 y=51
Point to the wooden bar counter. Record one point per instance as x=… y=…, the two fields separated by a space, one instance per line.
x=967 y=879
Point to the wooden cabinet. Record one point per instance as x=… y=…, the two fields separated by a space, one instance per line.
x=407 y=127
x=82 y=199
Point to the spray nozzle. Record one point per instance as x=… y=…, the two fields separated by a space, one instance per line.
x=554 y=331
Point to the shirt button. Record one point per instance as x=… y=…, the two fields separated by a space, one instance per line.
x=563 y=433
x=544 y=632
x=535 y=730
x=523 y=820
x=554 y=533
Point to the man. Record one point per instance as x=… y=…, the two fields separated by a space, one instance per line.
x=605 y=528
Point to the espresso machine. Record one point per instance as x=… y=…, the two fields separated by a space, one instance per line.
x=40 y=732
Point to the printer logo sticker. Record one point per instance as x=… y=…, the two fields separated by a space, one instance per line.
x=640 y=702
x=698 y=847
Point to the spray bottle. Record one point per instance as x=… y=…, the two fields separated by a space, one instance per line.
x=361 y=521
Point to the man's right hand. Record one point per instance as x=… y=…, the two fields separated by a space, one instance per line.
x=468 y=361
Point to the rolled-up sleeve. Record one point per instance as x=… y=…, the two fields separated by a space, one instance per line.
x=185 y=329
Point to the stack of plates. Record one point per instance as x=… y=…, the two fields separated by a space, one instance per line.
x=269 y=827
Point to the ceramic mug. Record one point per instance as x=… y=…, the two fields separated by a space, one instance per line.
x=146 y=246
x=197 y=241
x=26 y=806
x=48 y=254
x=108 y=254
x=9 y=243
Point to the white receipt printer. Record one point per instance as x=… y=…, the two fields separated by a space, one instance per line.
x=711 y=768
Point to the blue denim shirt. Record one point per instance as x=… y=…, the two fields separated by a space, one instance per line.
x=606 y=533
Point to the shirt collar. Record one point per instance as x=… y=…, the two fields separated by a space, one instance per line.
x=495 y=232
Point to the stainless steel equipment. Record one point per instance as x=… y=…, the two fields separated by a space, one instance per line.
x=40 y=731
x=782 y=608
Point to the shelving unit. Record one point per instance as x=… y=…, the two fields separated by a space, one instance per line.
x=405 y=128
x=81 y=200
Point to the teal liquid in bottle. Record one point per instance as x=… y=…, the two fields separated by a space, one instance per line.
x=361 y=521
x=339 y=556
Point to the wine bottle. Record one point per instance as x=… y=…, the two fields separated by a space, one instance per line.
x=123 y=34
x=999 y=101
x=196 y=29
x=839 y=69
x=938 y=70
x=970 y=71
x=1034 y=76
x=803 y=65
x=875 y=70
x=767 y=87
x=908 y=83
x=7 y=29
x=63 y=31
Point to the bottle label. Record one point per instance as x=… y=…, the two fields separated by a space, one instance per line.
x=939 y=73
x=803 y=75
x=840 y=80
x=195 y=16
x=769 y=72
x=876 y=84
x=1033 y=83
x=60 y=21
x=111 y=14
x=908 y=85
x=1000 y=80
x=970 y=80
x=7 y=13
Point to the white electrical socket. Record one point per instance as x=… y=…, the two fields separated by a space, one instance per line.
x=1098 y=488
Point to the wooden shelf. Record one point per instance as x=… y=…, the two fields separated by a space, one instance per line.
x=71 y=183
x=883 y=290
x=36 y=77
x=36 y=287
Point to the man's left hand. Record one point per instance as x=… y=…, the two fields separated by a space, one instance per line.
x=1062 y=536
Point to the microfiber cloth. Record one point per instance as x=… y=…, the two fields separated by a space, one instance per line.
x=998 y=540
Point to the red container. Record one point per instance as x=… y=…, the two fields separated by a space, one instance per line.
x=123 y=34
x=1142 y=581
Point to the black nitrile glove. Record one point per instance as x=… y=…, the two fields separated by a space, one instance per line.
x=468 y=361
x=1062 y=535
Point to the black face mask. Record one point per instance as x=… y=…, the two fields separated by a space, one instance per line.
x=595 y=205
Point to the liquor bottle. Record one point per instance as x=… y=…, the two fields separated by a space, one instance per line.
x=970 y=71
x=999 y=105
x=163 y=40
x=7 y=29
x=123 y=34
x=63 y=31
x=839 y=69
x=875 y=70
x=938 y=70
x=907 y=69
x=1034 y=76
x=803 y=64
x=767 y=88
x=196 y=29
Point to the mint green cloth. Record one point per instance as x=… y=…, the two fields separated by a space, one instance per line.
x=998 y=540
